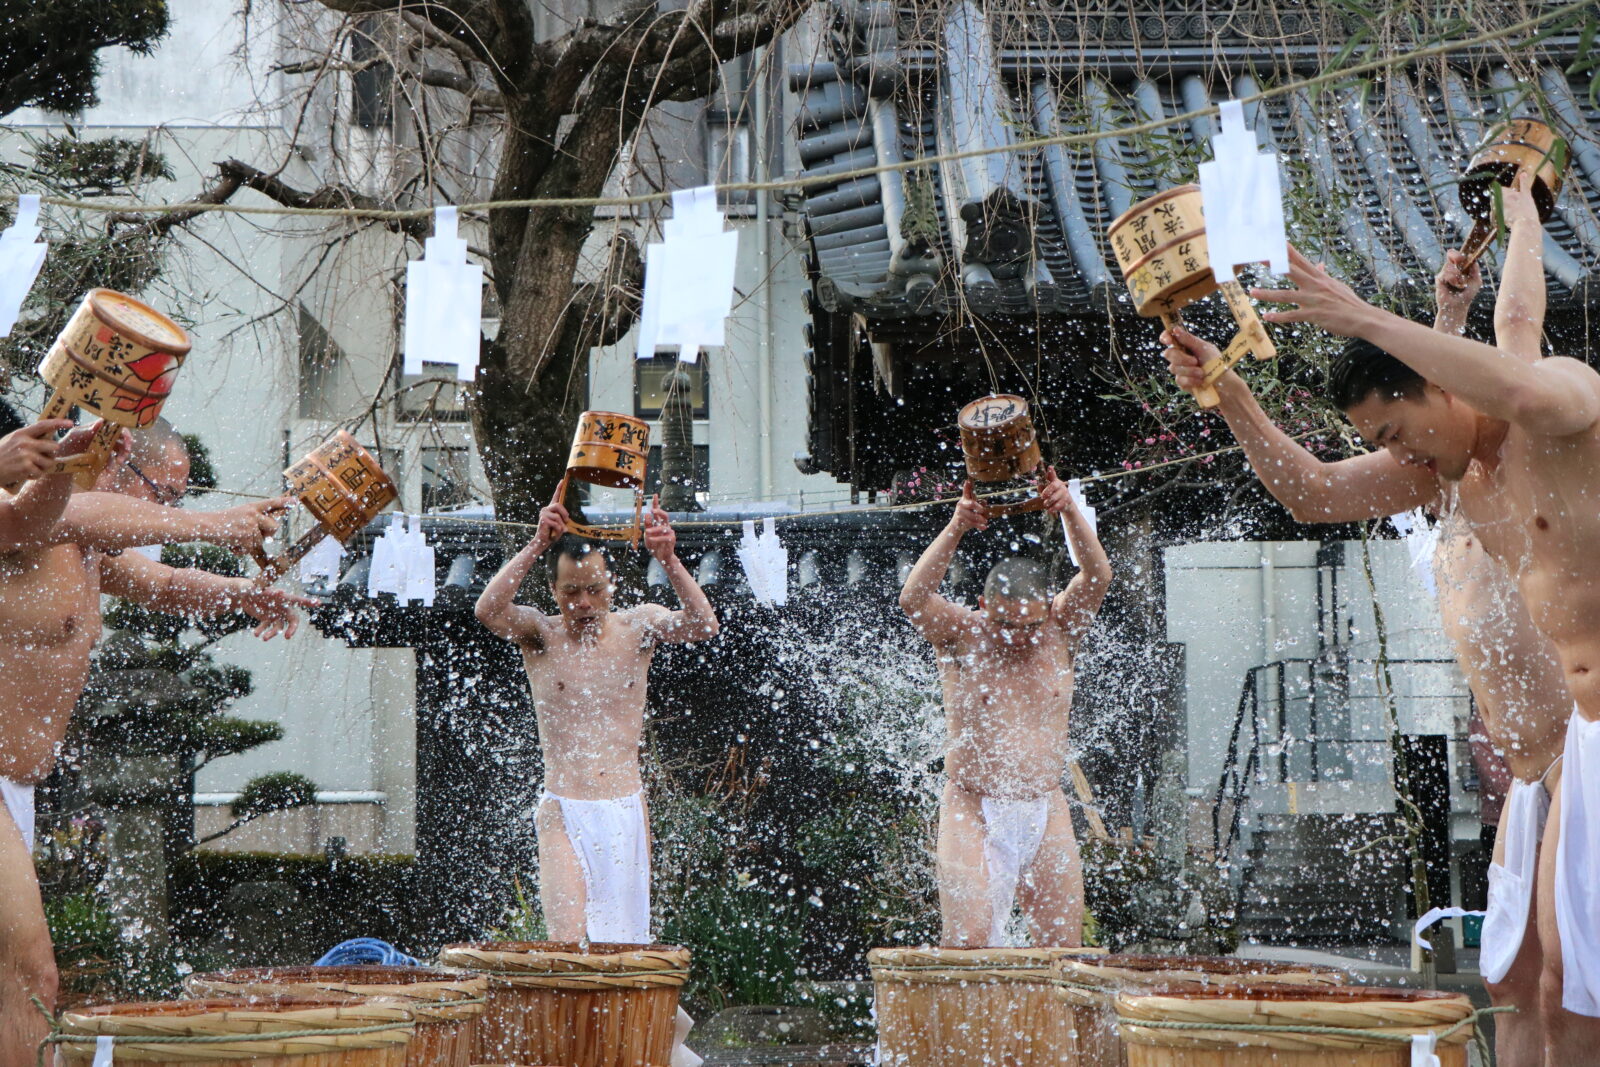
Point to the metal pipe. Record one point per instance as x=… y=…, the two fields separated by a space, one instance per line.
x=763 y=264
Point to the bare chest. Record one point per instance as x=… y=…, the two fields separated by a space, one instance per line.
x=48 y=598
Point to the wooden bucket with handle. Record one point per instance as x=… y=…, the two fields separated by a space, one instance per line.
x=1001 y=446
x=1160 y=244
x=343 y=488
x=445 y=1006
x=1089 y=988
x=1524 y=147
x=325 y=1031
x=610 y=450
x=943 y=1007
x=594 y=1005
x=116 y=359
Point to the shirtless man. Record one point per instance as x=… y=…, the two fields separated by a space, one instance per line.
x=53 y=567
x=1510 y=666
x=587 y=668
x=1521 y=442
x=1005 y=831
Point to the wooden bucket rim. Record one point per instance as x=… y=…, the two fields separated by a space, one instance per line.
x=1503 y=127
x=943 y=966
x=613 y=415
x=346 y=438
x=307 y=1025
x=431 y=994
x=961 y=416
x=1114 y=971
x=1166 y=194
x=567 y=959
x=103 y=302
x=1212 y=1012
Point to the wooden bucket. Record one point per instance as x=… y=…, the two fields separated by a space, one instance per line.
x=1160 y=245
x=604 y=1005
x=954 y=1007
x=1223 y=1010
x=609 y=449
x=226 y=1031
x=343 y=488
x=1520 y=146
x=1001 y=445
x=1088 y=988
x=445 y=1006
x=116 y=359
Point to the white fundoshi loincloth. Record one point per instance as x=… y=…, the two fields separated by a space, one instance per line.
x=1511 y=883
x=18 y=800
x=613 y=846
x=1577 y=888
x=1013 y=832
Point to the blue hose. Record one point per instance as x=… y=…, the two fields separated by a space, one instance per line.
x=366 y=950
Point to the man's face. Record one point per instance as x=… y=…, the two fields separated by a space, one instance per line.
x=164 y=481
x=583 y=589
x=1015 y=616
x=1432 y=430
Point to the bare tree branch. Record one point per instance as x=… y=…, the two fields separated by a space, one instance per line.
x=329 y=196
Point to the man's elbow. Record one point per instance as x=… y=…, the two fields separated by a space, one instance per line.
x=483 y=610
x=910 y=604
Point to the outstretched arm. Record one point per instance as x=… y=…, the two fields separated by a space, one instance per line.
x=197 y=594
x=936 y=618
x=1519 y=306
x=1362 y=487
x=1076 y=606
x=697 y=619
x=497 y=608
x=113 y=521
x=1552 y=398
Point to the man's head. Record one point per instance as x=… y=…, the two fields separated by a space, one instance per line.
x=581 y=580
x=1394 y=407
x=1016 y=594
x=155 y=468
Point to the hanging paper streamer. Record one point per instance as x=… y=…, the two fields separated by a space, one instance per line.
x=104 y=1050
x=1424 y=1050
x=322 y=561
x=21 y=257
x=765 y=562
x=1075 y=490
x=688 y=278
x=1243 y=200
x=1422 y=541
x=444 y=302
x=402 y=563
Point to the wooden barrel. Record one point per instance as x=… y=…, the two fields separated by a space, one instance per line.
x=1525 y=146
x=1088 y=987
x=998 y=438
x=609 y=449
x=1160 y=244
x=226 y=1031
x=559 y=1002
x=116 y=359
x=445 y=1006
x=341 y=485
x=1386 y=1018
x=953 y=1007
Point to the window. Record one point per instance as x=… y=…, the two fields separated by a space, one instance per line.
x=434 y=395
x=649 y=384
x=728 y=137
x=702 y=471
x=372 y=84
x=446 y=478
x=320 y=364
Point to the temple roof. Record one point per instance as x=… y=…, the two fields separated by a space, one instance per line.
x=1369 y=171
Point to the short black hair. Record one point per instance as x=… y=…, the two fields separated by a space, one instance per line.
x=577 y=549
x=10 y=421
x=1018 y=578
x=1362 y=369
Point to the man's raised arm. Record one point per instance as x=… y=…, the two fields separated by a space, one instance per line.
x=936 y=618
x=1554 y=397
x=497 y=608
x=1362 y=487
x=1076 y=606
x=1520 y=304
x=697 y=619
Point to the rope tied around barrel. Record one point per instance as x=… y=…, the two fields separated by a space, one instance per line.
x=1331 y=1031
x=58 y=1036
